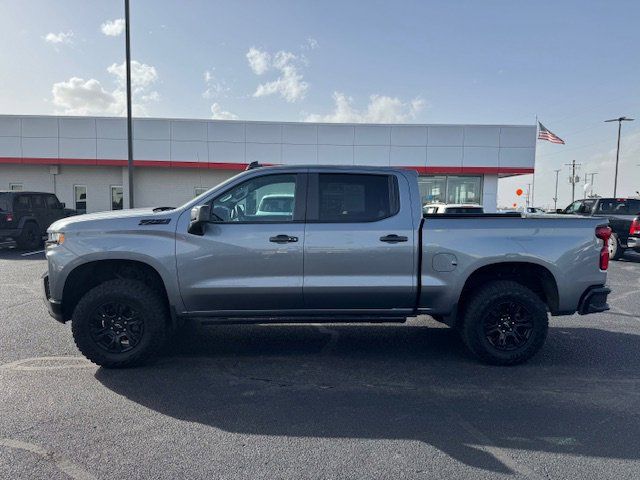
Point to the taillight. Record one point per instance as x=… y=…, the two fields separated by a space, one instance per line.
x=604 y=234
x=9 y=217
x=634 y=229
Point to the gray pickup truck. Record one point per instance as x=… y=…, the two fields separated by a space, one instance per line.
x=355 y=246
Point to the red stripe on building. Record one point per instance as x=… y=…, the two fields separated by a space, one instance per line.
x=241 y=166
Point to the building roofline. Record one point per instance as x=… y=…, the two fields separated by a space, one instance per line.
x=175 y=119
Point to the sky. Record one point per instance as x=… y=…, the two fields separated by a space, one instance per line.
x=573 y=64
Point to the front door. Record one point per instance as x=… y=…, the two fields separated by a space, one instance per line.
x=250 y=256
x=359 y=250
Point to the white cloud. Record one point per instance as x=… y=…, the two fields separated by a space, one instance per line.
x=217 y=113
x=113 y=28
x=310 y=44
x=59 y=38
x=78 y=96
x=258 y=60
x=142 y=75
x=214 y=88
x=290 y=84
x=381 y=109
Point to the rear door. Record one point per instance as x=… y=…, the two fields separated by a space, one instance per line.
x=359 y=249
x=247 y=260
x=40 y=212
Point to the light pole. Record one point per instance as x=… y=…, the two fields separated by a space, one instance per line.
x=593 y=174
x=619 y=120
x=555 y=198
x=129 y=119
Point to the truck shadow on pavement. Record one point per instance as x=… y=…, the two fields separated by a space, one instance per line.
x=579 y=397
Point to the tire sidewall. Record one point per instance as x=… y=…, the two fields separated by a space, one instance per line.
x=153 y=321
x=615 y=242
x=480 y=306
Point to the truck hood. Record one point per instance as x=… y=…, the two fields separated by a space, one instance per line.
x=102 y=219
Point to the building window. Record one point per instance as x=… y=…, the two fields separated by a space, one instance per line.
x=197 y=191
x=451 y=189
x=464 y=190
x=432 y=189
x=80 y=197
x=16 y=187
x=116 y=197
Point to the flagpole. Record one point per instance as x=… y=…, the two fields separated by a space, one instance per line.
x=533 y=181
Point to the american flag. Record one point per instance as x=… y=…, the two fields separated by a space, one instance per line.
x=548 y=135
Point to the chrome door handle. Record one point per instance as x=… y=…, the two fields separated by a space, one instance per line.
x=393 y=238
x=283 y=239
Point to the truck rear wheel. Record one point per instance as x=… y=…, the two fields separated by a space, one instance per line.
x=504 y=323
x=119 y=323
x=615 y=250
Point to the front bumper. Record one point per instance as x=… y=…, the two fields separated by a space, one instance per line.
x=594 y=300
x=53 y=306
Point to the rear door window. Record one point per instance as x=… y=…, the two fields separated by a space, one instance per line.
x=618 y=206
x=37 y=201
x=355 y=198
x=22 y=202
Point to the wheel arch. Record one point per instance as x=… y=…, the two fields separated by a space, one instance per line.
x=88 y=275
x=534 y=276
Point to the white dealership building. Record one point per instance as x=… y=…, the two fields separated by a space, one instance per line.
x=83 y=160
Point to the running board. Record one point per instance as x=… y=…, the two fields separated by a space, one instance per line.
x=301 y=320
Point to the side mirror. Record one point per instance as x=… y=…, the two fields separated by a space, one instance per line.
x=200 y=216
x=559 y=210
x=61 y=205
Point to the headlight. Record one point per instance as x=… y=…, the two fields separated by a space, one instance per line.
x=55 y=238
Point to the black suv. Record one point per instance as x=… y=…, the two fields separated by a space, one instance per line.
x=25 y=216
x=624 y=219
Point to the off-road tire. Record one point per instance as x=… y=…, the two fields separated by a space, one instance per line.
x=478 y=309
x=30 y=237
x=148 y=304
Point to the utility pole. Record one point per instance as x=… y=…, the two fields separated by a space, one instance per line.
x=555 y=199
x=573 y=180
x=129 y=117
x=615 y=178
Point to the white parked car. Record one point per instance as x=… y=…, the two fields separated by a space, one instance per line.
x=432 y=208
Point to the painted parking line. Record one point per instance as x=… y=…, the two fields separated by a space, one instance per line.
x=31 y=253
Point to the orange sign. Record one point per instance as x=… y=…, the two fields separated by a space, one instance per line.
x=519 y=192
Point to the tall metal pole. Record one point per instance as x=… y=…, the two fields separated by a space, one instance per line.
x=555 y=199
x=619 y=120
x=615 y=178
x=129 y=117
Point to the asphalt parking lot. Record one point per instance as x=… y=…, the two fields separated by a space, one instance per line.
x=334 y=401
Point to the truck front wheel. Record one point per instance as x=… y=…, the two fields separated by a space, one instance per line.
x=504 y=323
x=119 y=323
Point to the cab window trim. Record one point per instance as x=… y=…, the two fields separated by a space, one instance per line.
x=313 y=198
x=299 y=209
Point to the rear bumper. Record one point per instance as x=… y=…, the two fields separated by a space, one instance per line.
x=594 y=300
x=634 y=243
x=9 y=233
x=53 y=306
